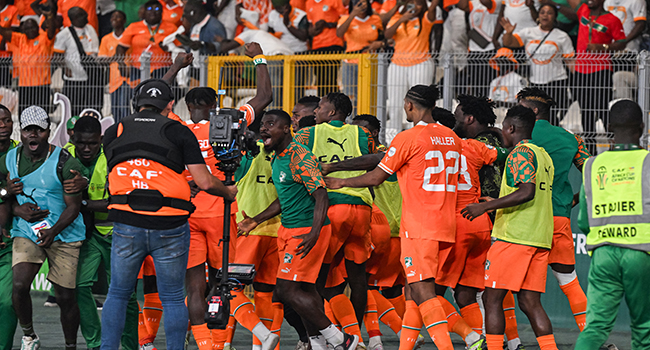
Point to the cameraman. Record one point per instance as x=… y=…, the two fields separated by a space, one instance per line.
x=150 y=205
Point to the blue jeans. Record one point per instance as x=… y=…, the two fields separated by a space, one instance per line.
x=120 y=102
x=169 y=249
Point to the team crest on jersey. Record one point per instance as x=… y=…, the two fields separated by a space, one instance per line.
x=174 y=15
x=373 y=27
x=288 y=258
x=391 y=151
x=36 y=43
x=282 y=176
x=325 y=8
x=408 y=261
x=487 y=265
x=6 y=19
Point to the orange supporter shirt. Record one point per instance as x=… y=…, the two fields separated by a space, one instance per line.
x=426 y=160
x=330 y=11
x=8 y=19
x=476 y=154
x=298 y=4
x=361 y=32
x=90 y=6
x=412 y=44
x=174 y=116
x=387 y=6
x=24 y=7
x=31 y=58
x=139 y=37
x=107 y=49
x=172 y=14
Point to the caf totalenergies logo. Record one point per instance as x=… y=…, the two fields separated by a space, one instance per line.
x=601 y=177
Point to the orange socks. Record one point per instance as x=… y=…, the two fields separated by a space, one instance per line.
x=278 y=317
x=511 y=319
x=330 y=314
x=435 y=322
x=386 y=312
x=263 y=310
x=411 y=326
x=202 y=336
x=399 y=303
x=494 y=341
x=152 y=312
x=143 y=332
x=547 y=342
x=344 y=312
x=220 y=337
x=370 y=319
x=242 y=310
x=578 y=302
x=230 y=330
x=455 y=323
x=473 y=316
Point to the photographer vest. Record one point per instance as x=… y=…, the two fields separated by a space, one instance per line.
x=617 y=189
x=146 y=168
x=334 y=144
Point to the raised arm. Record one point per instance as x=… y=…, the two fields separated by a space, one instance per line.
x=182 y=60
x=358 y=10
x=264 y=95
x=509 y=39
x=498 y=29
x=431 y=12
x=390 y=31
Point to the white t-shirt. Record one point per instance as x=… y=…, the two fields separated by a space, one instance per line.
x=628 y=11
x=505 y=88
x=269 y=43
x=518 y=13
x=483 y=20
x=276 y=23
x=227 y=17
x=547 y=64
x=65 y=44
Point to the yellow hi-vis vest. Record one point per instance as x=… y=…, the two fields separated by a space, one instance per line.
x=97 y=190
x=334 y=144
x=617 y=189
x=388 y=198
x=256 y=192
x=530 y=223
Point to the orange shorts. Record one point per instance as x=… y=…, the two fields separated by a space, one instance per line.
x=466 y=262
x=350 y=231
x=391 y=272
x=380 y=238
x=563 y=249
x=515 y=267
x=421 y=257
x=295 y=268
x=338 y=273
x=205 y=234
x=148 y=268
x=261 y=251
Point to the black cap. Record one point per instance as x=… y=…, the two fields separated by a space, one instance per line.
x=154 y=92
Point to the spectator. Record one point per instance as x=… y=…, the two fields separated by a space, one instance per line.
x=362 y=31
x=600 y=32
x=505 y=87
x=411 y=64
x=64 y=6
x=290 y=25
x=323 y=16
x=224 y=10
x=566 y=19
x=46 y=225
x=483 y=15
x=522 y=12
x=547 y=49
x=172 y=12
x=68 y=46
x=24 y=8
x=304 y=107
x=132 y=9
x=105 y=9
x=261 y=7
x=202 y=31
x=31 y=57
x=118 y=85
x=8 y=19
x=145 y=36
x=454 y=36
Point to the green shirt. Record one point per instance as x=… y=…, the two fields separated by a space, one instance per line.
x=565 y=149
x=7 y=240
x=296 y=175
x=306 y=137
x=26 y=166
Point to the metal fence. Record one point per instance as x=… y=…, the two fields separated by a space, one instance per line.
x=584 y=87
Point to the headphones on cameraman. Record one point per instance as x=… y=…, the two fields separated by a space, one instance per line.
x=137 y=91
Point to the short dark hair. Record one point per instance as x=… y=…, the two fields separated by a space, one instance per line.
x=374 y=123
x=538 y=98
x=198 y=96
x=628 y=115
x=341 y=102
x=152 y=3
x=481 y=108
x=120 y=12
x=282 y=115
x=309 y=101
x=306 y=121
x=88 y=125
x=444 y=117
x=522 y=117
x=423 y=95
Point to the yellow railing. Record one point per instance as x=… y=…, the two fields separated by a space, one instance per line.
x=284 y=68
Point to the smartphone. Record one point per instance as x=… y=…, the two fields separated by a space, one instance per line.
x=410 y=7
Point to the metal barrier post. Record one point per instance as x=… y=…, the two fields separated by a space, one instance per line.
x=145 y=66
x=448 y=82
x=363 y=87
x=643 y=98
x=203 y=70
x=382 y=82
x=288 y=88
